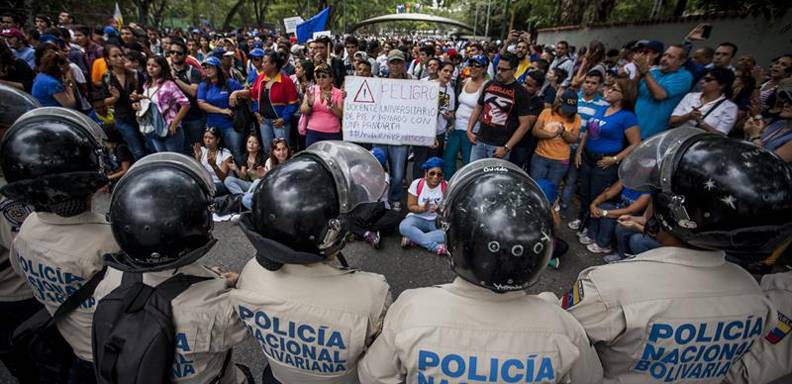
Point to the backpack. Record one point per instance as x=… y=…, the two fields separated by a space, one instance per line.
x=422 y=181
x=149 y=117
x=133 y=336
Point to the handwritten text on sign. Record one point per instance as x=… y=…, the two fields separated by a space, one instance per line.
x=387 y=111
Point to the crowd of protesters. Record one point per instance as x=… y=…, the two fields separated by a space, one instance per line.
x=241 y=102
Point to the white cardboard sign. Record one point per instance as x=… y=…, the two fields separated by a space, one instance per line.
x=291 y=23
x=390 y=111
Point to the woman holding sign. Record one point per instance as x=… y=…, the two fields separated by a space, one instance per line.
x=323 y=107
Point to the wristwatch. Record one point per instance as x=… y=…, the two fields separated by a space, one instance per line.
x=603 y=213
x=506 y=148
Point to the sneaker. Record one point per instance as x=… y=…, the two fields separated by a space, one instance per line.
x=574 y=224
x=554 y=263
x=582 y=233
x=593 y=247
x=441 y=250
x=373 y=238
x=585 y=240
x=405 y=242
x=612 y=258
x=396 y=206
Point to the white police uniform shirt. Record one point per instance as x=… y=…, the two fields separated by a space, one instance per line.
x=205 y=323
x=670 y=315
x=12 y=286
x=314 y=321
x=57 y=255
x=770 y=358
x=462 y=333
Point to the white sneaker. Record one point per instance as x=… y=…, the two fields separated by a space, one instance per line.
x=582 y=233
x=574 y=224
x=585 y=240
x=593 y=247
x=396 y=206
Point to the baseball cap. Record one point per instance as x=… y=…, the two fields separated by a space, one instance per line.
x=361 y=55
x=569 y=101
x=479 y=59
x=256 y=52
x=13 y=32
x=110 y=31
x=451 y=52
x=651 y=44
x=218 y=52
x=395 y=54
x=213 y=61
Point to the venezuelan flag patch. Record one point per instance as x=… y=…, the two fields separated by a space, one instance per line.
x=574 y=296
x=782 y=329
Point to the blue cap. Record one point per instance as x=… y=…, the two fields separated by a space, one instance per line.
x=110 y=31
x=256 y=52
x=479 y=59
x=379 y=153
x=218 y=52
x=213 y=61
x=569 y=101
x=433 y=162
x=52 y=39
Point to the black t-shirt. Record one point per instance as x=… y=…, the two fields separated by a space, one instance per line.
x=123 y=106
x=502 y=105
x=20 y=72
x=191 y=76
x=535 y=108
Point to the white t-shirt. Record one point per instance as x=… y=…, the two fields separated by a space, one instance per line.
x=222 y=155
x=467 y=102
x=722 y=118
x=447 y=103
x=433 y=196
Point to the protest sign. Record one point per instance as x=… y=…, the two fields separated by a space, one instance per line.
x=322 y=33
x=291 y=23
x=390 y=111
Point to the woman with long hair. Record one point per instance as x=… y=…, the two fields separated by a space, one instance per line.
x=162 y=93
x=249 y=171
x=54 y=85
x=215 y=97
x=467 y=100
x=279 y=153
x=603 y=147
x=118 y=84
x=216 y=159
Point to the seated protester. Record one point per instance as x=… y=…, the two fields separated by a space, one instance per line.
x=555 y=130
x=775 y=134
x=119 y=157
x=711 y=109
x=634 y=236
x=605 y=210
x=14 y=72
x=279 y=153
x=54 y=85
x=372 y=220
x=251 y=170
x=215 y=158
x=162 y=242
x=424 y=198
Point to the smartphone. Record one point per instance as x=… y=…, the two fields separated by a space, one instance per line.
x=707 y=31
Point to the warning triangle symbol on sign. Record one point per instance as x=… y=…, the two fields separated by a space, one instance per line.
x=364 y=94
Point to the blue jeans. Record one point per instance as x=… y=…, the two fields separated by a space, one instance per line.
x=424 y=153
x=193 y=133
x=233 y=141
x=570 y=182
x=593 y=180
x=544 y=168
x=422 y=232
x=170 y=143
x=602 y=229
x=132 y=137
x=269 y=132
x=397 y=157
x=313 y=136
x=236 y=185
x=247 y=197
x=457 y=143
x=484 y=151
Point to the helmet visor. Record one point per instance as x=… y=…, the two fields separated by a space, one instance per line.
x=178 y=160
x=13 y=104
x=650 y=165
x=81 y=120
x=358 y=175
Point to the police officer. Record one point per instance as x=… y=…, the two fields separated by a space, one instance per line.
x=16 y=298
x=53 y=160
x=312 y=318
x=681 y=312
x=484 y=326
x=161 y=236
x=770 y=358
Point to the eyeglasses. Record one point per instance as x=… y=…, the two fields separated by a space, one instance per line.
x=435 y=173
x=177 y=53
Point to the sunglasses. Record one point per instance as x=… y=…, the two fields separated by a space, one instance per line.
x=435 y=174
x=211 y=130
x=177 y=53
x=477 y=65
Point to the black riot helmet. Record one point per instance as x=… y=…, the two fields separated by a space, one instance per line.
x=299 y=213
x=713 y=192
x=160 y=213
x=13 y=104
x=53 y=159
x=498 y=225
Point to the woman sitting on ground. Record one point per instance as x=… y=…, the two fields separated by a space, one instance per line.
x=616 y=201
x=252 y=170
x=216 y=159
x=279 y=153
x=424 y=198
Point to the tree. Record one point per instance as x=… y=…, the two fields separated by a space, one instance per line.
x=570 y=12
